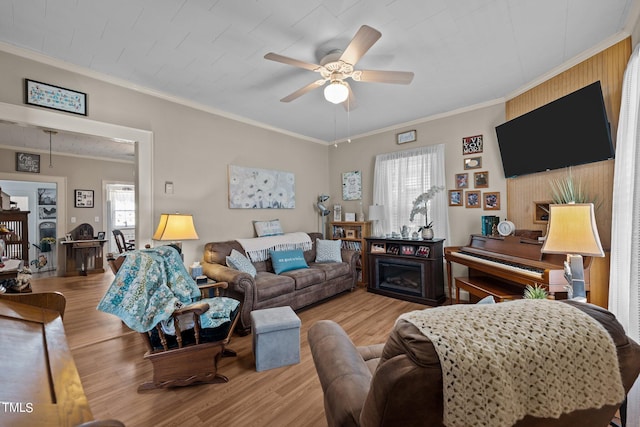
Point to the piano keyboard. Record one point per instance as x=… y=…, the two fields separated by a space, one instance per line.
x=527 y=270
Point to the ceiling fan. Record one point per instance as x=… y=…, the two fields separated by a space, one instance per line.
x=338 y=65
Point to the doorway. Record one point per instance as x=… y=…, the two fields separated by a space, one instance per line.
x=120 y=212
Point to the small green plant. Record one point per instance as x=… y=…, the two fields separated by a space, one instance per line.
x=535 y=292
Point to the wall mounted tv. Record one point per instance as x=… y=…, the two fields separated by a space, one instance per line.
x=572 y=130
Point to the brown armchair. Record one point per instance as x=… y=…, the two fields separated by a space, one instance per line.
x=401 y=382
x=181 y=349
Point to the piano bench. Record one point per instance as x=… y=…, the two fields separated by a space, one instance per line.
x=484 y=286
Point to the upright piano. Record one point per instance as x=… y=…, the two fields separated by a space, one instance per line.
x=503 y=266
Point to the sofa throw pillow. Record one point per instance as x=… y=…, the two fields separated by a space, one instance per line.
x=268 y=228
x=487 y=300
x=240 y=262
x=287 y=260
x=328 y=250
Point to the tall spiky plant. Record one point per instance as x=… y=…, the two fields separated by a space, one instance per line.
x=535 y=292
x=569 y=190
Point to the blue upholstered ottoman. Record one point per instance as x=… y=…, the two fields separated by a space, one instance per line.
x=276 y=337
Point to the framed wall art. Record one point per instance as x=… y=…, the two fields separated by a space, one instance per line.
x=472 y=163
x=481 y=179
x=455 y=197
x=462 y=180
x=472 y=199
x=251 y=188
x=55 y=97
x=83 y=198
x=352 y=185
x=26 y=162
x=491 y=201
x=408 y=136
x=472 y=144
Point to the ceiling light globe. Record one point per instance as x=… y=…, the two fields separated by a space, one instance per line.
x=337 y=92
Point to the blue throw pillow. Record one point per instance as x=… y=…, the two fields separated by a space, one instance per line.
x=287 y=260
x=240 y=262
x=328 y=250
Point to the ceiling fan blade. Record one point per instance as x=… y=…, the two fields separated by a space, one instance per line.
x=302 y=91
x=360 y=44
x=290 y=61
x=350 y=104
x=397 y=77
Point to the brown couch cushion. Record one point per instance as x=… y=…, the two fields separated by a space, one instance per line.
x=270 y=285
x=332 y=269
x=305 y=277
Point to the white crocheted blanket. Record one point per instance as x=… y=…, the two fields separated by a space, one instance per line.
x=257 y=249
x=503 y=361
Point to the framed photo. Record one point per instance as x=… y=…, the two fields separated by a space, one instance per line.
x=378 y=247
x=481 y=179
x=101 y=235
x=350 y=234
x=491 y=201
x=472 y=144
x=408 y=250
x=473 y=163
x=55 y=97
x=423 y=251
x=455 y=198
x=404 y=137
x=349 y=216
x=352 y=185
x=26 y=162
x=337 y=213
x=83 y=198
x=462 y=180
x=472 y=199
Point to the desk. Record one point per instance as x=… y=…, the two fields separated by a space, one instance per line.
x=83 y=257
x=40 y=379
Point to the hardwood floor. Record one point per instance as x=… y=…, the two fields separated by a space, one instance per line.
x=109 y=358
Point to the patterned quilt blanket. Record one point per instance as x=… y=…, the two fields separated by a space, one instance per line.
x=151 y=284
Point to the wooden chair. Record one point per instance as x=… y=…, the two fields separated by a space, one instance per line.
x=190 y=356
x=123 y=244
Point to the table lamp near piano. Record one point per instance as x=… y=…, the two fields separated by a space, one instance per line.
x=572 y=230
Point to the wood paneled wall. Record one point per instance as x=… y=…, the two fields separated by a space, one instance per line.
x=596 y=178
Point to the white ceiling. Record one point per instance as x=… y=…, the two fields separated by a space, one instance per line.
x=210 y=52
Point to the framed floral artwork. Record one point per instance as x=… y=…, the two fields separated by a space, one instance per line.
x=251 y=188
x=352 y=185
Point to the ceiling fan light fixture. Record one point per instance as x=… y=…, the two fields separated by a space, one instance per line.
x=337 y=92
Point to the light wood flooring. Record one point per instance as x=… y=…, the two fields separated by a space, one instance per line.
x=109 y=358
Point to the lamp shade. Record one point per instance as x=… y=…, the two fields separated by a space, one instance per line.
x=376 y=212
x=175 y=227
x=336 y=92
x=572 y=230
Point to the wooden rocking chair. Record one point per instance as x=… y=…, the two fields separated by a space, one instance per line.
x=190 y=356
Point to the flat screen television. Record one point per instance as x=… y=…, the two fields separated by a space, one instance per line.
x=572 y=130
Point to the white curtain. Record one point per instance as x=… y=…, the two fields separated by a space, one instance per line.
x=624 y=282
x=400 y=177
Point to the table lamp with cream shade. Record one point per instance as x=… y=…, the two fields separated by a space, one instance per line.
x=175 y=228
x=572 y=230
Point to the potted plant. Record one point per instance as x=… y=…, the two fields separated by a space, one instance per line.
x=535 y=292
x=45 y=244
x=421 y=206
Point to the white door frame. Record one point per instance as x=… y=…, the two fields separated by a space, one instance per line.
x=144 y=156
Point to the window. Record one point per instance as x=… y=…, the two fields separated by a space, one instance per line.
x=123 y=205
x=402 y=176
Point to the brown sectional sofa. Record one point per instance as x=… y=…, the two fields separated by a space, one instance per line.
x=399 y=383
x=296 y=288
